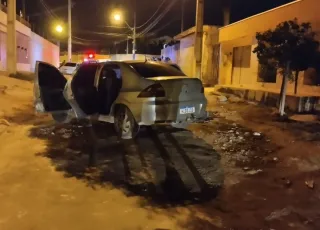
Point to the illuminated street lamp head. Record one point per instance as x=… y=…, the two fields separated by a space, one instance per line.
x=59 y=28
x=117 y=17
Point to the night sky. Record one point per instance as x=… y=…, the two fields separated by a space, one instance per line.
x=88 y=16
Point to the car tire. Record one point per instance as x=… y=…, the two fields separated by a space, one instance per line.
x=61 y=117
x=125 y=124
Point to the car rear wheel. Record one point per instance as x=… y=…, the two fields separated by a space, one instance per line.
x=61 y=117
x=125 y=124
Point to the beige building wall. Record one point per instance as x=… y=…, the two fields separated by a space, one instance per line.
x=186 y=56
x=187 y=60
x=243 y=33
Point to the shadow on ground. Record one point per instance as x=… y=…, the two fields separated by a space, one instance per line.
x=164 y=165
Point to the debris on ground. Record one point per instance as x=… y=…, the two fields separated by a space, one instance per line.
x=279 y=213
x=222 y=98
x=3 y=89
x=305 y=118
x=310 y=183
x=254 y=172
x=256 y=134
x=235 y=99
x=4 y=122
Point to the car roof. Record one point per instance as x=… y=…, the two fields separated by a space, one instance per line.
x=142 y=61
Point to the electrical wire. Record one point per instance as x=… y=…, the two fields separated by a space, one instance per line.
x=164 y=26
x=161 y=4
x=47 y=8
x=105 y=33
x=158 y=19
x=87 y=40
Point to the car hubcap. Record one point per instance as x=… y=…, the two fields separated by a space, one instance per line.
x=126 y=125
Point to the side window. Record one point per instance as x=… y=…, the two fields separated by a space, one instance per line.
x=85 y=75
x=111 y=69
x=111 y=72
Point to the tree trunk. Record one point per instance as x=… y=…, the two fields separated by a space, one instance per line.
x=281 y=92
x=296 y=82
x=284 y=92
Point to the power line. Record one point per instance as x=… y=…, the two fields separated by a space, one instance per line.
x=104 y=33
x=47 y=8
x=53 y=10
x=158 y=19
x=163 y=1
x=164 y=26
x=82 y=39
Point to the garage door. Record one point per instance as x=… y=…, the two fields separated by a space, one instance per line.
x=241 y=65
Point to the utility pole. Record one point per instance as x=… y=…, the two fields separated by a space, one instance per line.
x=182 y=14
x=199 y=38
x=226 y=12
x=127 y=45
x=24 y=9
x=11 y=38
x=134 y=31
x=69 y=32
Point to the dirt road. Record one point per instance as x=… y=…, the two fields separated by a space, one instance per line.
x=242 y=170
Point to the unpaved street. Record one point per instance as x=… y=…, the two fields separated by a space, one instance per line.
x=241 y=170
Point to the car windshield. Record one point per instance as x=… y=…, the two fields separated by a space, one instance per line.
x=70 y=64
x=148 y=70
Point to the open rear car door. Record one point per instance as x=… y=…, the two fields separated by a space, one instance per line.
x=49 y=86
x=65 y=99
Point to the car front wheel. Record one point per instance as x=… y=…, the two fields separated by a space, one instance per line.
x=125 y=124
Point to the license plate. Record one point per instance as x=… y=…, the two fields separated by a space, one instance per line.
x=187 y=110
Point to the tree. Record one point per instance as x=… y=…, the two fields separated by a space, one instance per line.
x=290 y=47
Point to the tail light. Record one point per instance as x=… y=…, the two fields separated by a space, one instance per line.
x=155 y=90
x=202 y=89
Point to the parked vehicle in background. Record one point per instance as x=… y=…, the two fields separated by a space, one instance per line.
x=68 y=68
x=128 y=94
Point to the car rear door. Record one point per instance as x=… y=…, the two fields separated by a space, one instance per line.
x=49 y=88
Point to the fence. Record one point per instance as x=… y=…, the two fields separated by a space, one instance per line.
x=18 y=18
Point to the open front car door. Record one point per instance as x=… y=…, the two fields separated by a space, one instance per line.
x=49 y=88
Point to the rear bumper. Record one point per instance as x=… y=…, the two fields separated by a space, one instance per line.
x=157 y=112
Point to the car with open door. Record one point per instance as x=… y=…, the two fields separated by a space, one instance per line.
x=129 y=94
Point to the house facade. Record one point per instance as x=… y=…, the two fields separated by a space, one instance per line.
x=183 y=54
x=239 y=67
x=229 y=62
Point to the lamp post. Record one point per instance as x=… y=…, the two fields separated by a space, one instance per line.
x=118 y=18
x=58 y=29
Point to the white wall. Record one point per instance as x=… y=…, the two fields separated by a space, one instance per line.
x=173 y=52
x=37 y=47
x=42 y=50
x=128 y=57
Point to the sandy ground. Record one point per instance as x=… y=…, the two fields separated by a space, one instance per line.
x=241 y=170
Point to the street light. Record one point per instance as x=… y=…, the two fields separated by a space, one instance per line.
x=117 y=16
x=59 y=28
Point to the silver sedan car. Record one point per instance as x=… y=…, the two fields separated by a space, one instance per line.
x=129 y=94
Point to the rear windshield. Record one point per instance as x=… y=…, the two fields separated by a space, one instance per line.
x=148 y=70
x=70 y=64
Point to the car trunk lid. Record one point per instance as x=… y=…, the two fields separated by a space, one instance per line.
x=181 y=88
